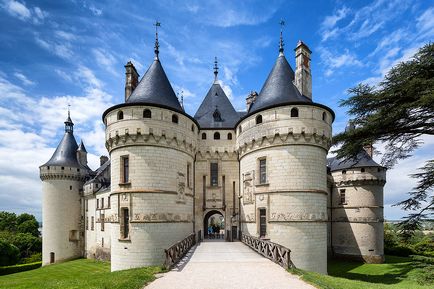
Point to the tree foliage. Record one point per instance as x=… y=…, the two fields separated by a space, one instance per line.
x=397 y=112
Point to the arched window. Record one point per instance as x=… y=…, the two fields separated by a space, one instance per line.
x=324 y=116
x=147 y=113
x=259 y=119
x=294 y=112
x=203 y=135
x=229 y=136
x=120 y=115
x=174 y=118
x=216 y=135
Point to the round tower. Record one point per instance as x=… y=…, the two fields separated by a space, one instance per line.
x=62 y=180
x=152 y=142
x=357 y=208
x=283 y=142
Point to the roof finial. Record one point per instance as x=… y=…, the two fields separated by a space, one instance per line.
x=180 y=95
x=216 y=69
x=157 y=45
x=282 y=23
x=69 y=125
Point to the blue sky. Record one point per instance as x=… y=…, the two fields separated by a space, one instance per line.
x=57 y=52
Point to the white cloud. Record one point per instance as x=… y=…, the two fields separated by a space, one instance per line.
x=328 y=29
x=106 y=60
x=334 y=61
x=95 y=11
x=425 y=22
x=62 y=49
x=21 y=11
x=65 y=35
x=23 y=78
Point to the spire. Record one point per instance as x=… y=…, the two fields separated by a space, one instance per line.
x=216 y=69
x=81 y=147
x=157 y=45
x=282 y=23
x=69 y=125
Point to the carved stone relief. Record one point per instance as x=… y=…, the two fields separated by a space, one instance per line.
x=248 y=188
x=181 y=187
x=302 y=215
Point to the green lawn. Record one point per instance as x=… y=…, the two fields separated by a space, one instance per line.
x=395 y=273
x=82 y=273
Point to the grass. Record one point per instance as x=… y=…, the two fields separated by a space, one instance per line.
x=82 y=273
x=395 y=273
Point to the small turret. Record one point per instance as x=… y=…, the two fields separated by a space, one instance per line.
x=82 y=154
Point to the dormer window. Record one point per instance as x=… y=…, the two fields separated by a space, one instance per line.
x=259 y=119
x=147 y=113
x=120 y=115
x=217 y=115
x=174 y=118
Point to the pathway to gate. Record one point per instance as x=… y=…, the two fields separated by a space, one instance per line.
x=217 y=265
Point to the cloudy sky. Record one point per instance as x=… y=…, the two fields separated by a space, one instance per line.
x=57 y=52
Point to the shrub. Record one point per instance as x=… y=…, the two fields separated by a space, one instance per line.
x=19 y=268
x=399 y=250
x=9 y=254
x=32 y=259
x=425 y=246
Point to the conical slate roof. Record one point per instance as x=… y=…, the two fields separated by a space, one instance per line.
x=81 y=147
x=278 y=88
x=66 y=153
x=216 y=111
x=155 y=88
x=363 y=160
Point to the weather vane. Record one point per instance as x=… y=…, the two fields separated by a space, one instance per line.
x=216 y=68
x=181 y=96
x=157 y=45
x=69 y=106
x=282 y=23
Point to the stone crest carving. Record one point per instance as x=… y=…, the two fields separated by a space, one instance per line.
x=248 y=188
x=301 y=215
x=181 y=187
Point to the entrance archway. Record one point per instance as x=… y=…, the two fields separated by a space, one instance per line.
x=214 y=225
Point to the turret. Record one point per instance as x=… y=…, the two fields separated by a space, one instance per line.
x=63 y=178
x=82 y=154
x=303 y=76
x=151 y=142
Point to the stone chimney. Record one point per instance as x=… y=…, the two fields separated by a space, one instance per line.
x=131 y=79
x=250 y=99
x=369 y=149
x=303 y=76
x=103 y=160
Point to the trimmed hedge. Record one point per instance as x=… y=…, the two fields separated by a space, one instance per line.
x=399 y=250
x=19 y=268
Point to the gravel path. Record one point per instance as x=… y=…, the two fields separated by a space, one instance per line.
x=218 y=265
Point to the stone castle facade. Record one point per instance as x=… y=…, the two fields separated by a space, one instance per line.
x=264 y=170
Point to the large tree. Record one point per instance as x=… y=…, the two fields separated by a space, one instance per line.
x=398 y=112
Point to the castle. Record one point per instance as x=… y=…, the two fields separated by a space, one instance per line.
x=264 y=170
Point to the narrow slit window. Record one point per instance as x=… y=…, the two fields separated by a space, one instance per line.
x=125 y=161
x=342 y=197
x=125 y=223
x=214 y=174
x=102 y=222
x=263 y=171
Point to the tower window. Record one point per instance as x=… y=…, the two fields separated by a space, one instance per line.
x=203 y=135
x=108 y=202
x=362 y=170
x=240 y=130
x=214 y=174
x=97 y=203
x=174 y=118
x=102 y=203
x=216 y=135
x=262 y=222
x=229 y=136
x=342 y=199
x=259 y=119
x=125 y=223
x=102 y=222
x=324 y=116
x=344 y=172
x=125 y=163
x=192 y=127
x=92 y=223
x=188 y=175
x=120 y=115
x=87 y=223
x=263 y=171
x=147 y=113
x=70 y=188
x=294 y=112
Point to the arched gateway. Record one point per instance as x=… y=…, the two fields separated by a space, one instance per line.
x=214 y=225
